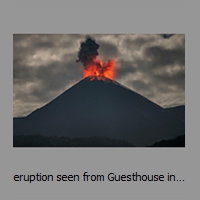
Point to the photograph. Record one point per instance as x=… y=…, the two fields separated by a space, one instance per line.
x=99 y=90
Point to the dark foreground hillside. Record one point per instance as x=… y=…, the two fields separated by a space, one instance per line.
x=178 y=141
x=56 y=141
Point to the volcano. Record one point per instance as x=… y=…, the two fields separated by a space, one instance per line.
x=102 y=107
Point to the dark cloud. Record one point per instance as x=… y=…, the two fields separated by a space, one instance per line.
x=139 y=85
x=159 y=56
x=166 y=35
x=108 y=50
x=55 y=77
x=125 y=68
x=176 y=79
x=137 y=42
x=43 y=44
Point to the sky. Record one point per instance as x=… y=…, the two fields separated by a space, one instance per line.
x=44 y=66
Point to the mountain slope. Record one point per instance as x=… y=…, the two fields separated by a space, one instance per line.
x=102 y=108
x=179 y=111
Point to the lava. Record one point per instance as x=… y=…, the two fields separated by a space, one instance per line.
x=100 y=70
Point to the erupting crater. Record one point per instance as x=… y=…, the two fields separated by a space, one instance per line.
x=100 y=70
x=92 y=66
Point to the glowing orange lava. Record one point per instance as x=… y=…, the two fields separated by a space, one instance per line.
x=101 y=70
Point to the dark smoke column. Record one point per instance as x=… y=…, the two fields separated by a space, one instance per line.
x=88 y=52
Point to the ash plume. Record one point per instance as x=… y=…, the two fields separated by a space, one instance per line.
x=88 y=52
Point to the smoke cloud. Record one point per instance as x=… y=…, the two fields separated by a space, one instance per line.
x=88 y=52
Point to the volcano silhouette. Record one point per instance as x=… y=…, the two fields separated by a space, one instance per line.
x=103 y=107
